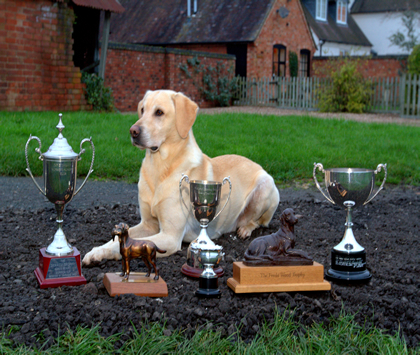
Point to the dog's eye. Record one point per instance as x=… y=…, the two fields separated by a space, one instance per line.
x=159 y=113
x=142 y=111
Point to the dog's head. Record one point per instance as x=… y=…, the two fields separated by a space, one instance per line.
x=164 y=116
x=289 y=217
x=121 y=230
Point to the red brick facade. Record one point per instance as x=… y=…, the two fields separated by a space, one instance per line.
x=131 y=70
x=291 y=32
x=36 y=57
x=379 y=67
x=37 y=70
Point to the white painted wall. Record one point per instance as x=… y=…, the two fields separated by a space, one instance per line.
x=378 y=27
x=337 y=49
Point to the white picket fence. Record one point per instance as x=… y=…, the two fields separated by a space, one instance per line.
x=410 y=96
x=396 y=95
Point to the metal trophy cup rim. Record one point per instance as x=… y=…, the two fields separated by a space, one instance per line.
x=60 y=155
x=203 y=241
x=349 y=188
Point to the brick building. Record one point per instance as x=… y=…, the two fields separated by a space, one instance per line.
x=37 y=70
x=260 y=33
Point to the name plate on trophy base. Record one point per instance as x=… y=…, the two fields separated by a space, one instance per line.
x=137 y=284
x=56 y=271
x=253 y=279
x=348 y=267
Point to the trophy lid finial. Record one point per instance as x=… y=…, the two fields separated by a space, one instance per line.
x=60 y=126
x=60 y=149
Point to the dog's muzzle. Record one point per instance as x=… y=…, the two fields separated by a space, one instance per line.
x=135 y=132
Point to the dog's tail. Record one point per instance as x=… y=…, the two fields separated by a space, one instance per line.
x=160 y=250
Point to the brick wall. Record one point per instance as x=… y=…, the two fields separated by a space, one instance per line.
x=36 y=57
x=131 y=70
x=212 y=48
x=292 y=32
x=378 y=67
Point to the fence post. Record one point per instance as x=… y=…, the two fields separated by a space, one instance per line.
x=402 y=92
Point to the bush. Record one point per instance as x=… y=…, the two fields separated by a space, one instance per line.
x=218 y=83
x=414 y=61
x=217 y=86
x=348 y=90
x=97 y=95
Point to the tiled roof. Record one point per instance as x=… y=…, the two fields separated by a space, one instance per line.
x=370 y=6
x=330 y=31
x=160 y=22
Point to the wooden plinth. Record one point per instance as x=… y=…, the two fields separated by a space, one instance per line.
x=250 y=279
x=56 y=271
x=138 y=284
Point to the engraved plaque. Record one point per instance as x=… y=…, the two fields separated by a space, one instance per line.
x=348 y=261
x=62 y=267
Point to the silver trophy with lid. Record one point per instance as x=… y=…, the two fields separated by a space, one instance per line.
x=204 y=199
x=60 y=173
x=349 y=188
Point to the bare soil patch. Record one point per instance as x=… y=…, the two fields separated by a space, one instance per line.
x=388 y=228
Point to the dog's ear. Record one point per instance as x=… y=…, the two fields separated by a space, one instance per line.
x=185 y=114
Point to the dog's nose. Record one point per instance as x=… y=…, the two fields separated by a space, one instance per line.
x=135 y=131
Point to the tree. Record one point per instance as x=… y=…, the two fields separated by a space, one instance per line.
x=408 y=42
x=414 y=60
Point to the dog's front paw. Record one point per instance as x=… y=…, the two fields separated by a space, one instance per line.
x=244 y=232
x=97 y=254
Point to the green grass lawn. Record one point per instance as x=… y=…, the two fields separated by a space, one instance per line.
x=284 y=336
x=285 y=146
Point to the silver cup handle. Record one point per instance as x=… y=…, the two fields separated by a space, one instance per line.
x=184 y=177
x=91 y=164
x=230 y=190
x=378 y=170
x=321 y=168
x=28 y=169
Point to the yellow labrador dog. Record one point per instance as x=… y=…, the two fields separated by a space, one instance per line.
x=164 y=131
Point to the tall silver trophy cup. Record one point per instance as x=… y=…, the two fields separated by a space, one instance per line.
x=59 y=263
x=349 y=188
x=203 y=253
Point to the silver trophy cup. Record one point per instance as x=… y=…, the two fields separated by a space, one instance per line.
x=60 y=172
x=349 y=188
x=203 y=253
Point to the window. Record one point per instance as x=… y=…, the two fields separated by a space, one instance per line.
x=279 y=60
x=304 y=68
x=321 y=10
x=341 y=12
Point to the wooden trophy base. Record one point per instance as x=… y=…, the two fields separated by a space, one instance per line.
x=56 y=271
x=250 y=279
x=137 y=284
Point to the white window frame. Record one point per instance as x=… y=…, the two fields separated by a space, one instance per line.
x=321 y=10
x=340 y=5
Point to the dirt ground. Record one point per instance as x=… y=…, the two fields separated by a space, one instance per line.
x=388 y=227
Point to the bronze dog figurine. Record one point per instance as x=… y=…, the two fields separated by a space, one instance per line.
x=132 y=249
x=277 y=248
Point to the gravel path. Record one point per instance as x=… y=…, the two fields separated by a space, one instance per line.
x=366 y=117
